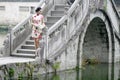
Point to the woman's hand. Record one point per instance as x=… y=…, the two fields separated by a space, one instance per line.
x=33 y=24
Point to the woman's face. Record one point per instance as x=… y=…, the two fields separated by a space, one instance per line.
x=39 y=12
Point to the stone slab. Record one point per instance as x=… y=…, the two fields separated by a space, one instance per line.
x=10 y=60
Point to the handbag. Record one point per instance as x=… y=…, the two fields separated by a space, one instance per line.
x=40 y=28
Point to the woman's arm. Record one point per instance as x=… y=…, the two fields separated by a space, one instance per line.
x=42 y=21
x=32 y=22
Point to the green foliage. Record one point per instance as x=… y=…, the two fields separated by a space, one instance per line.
x=56 y=65
x=29 y=69
x=20 y=76
x=8 y=72
x=5 y=77
x=93 y=61
x=118 y=78
x=55 y=77
x=77 y=68
x=39 y=76
x=26 y=69
x=90 y=61
x=20 y=72
x=18 y=64
x=105 y=5
x=11 y=72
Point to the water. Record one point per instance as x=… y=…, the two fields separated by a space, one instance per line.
x=88 y=72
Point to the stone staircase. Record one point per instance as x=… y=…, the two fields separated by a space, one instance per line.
x=27 y=48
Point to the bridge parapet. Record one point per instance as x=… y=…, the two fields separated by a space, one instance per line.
x=115 y=8
x=97 y=4
x=21 y=31
x=61 y=32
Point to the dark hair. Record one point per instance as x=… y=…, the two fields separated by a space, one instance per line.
x=38 y=9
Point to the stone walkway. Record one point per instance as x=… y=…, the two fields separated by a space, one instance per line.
x=9 y=60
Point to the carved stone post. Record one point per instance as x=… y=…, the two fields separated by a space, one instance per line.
x=6 y=48
x=96 y=4
x=32 y=11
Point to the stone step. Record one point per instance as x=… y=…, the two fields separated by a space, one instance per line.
x=52 y=19
x=28 y=47
x=31 y=38
x=25 y=55
x=30 y=42
x=48 y=24
x=29 y=51
x=57 y=13
x=61 y=7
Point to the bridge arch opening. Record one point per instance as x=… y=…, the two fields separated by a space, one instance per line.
x=96 y=43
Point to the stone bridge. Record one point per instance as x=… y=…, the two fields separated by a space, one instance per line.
x=84 y=29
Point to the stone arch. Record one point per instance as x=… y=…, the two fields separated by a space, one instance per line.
x=97 y=39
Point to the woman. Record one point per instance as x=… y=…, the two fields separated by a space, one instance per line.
x=37 y=20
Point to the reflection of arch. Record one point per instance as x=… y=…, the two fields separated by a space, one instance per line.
x=101 y=16
x=55 y=77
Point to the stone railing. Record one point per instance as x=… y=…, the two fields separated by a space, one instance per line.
x=118 y=17
x=97 y=4
x=115 y=8
x=61 y=32
x=21 y=31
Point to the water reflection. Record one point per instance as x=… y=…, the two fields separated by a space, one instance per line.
x=95 y=72
x=89 y=72
x=116 y=72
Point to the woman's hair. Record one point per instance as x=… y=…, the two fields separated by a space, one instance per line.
x=38 y=9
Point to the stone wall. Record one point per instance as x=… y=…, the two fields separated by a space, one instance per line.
x=11 y=13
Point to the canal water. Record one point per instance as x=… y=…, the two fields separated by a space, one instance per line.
x=88 y=72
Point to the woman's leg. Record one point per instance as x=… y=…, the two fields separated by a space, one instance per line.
x=36 y=43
